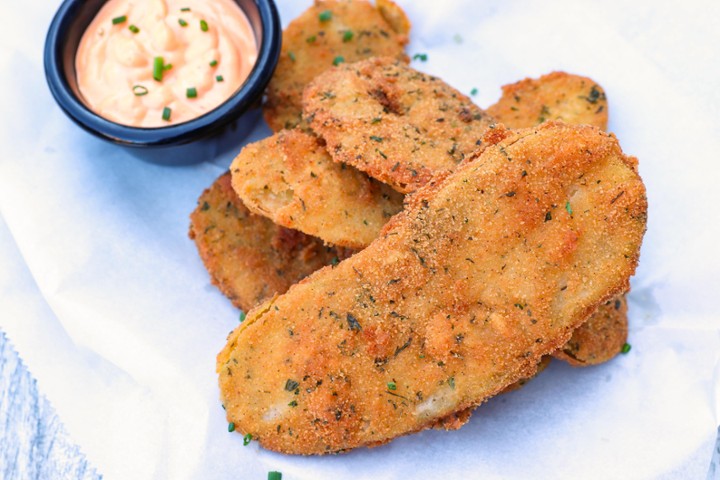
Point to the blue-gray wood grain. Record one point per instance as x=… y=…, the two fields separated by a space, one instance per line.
x=33 y=442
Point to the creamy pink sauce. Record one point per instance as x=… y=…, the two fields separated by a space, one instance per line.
x=118 y=51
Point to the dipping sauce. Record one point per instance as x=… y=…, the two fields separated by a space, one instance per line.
x=154 y=63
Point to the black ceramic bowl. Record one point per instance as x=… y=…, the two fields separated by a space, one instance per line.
x=156 y=144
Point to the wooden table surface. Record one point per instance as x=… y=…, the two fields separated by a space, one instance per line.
x=33 y=441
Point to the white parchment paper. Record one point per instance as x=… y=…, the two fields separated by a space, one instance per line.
x=109 y=305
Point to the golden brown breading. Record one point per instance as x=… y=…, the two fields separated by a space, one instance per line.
x=313 y=42
x=555 y=96
x=466 y=290
x=291 y=179
x=249 y=258
x=600 y=338
x=398 y=125
x=576 y=100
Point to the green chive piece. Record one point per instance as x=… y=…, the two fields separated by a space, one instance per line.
x=292 y=56
x=392 y=386
x=293 y=403
x=376 y=138
x=474 y=92
x=139 y=90
x=118 y=20
x=338 y=60
x=242 y=316
x=420 y=56
x=231 y=427
x=166 y=113
x=568 y=207
x=311 y=39
x=134 y=29
x=291 y=385
x=325 y=16
x=167 y=67
x=191 y=92
x=451 y=382
x=213 y=63
x=158 y=63
x=625 y=348
x=185 y=9
x=274 y=476
x=203 y=26
x=334 y=261
x=347 y=36
x=219 y=78
x=458 y=38
x=247 y=439
x=182 y=22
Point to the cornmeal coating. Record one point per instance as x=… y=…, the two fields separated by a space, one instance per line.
x=483 y=274
x=555 y=96
x=248 y=257
x=599 y=339
x=399 y=125
x=328 y=33
x=291 y=179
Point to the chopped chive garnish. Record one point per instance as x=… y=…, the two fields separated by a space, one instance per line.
x=191 y=92
x=231 y=427
x=625 y=348
x=291 y=385
x=134 y=29
x=219 y=78
x=182 y=22
x=247 y=439
x=292 y=56
x=420 y=56
x=185 y=9
x=203 y=26
x=274 y=476
x=347 y=36
x=392 y=386
x=311 y=39
x=167 y=67
x=242 y=316
x=474 y=92
x=568 y=207
x=376 y=120
x=213 y=63
x=376 y=138
x=293 y=403
x=139 y=90
x=451 y=382
x=158 y=63
x=334 y=261
x=325 y=15
x=166 y=116
x=338 y=60
x=118 y=20
x=458 y=38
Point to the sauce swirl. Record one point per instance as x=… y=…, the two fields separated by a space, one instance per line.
x=154 y=63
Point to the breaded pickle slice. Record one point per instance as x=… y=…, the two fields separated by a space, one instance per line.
x=248 y=257
x=291 y=179
x=399 y=125
x=328 y=33
x=555 y=96
x=482 y=274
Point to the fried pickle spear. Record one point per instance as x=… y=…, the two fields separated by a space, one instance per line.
x=328 y=33
x=398 y=125
x=466 y=290
x=576 y=100
x=249 y=258
x=600 y=338
x=555 y=96
x=291 y=179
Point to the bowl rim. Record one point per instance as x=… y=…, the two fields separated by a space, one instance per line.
x=244 y=98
